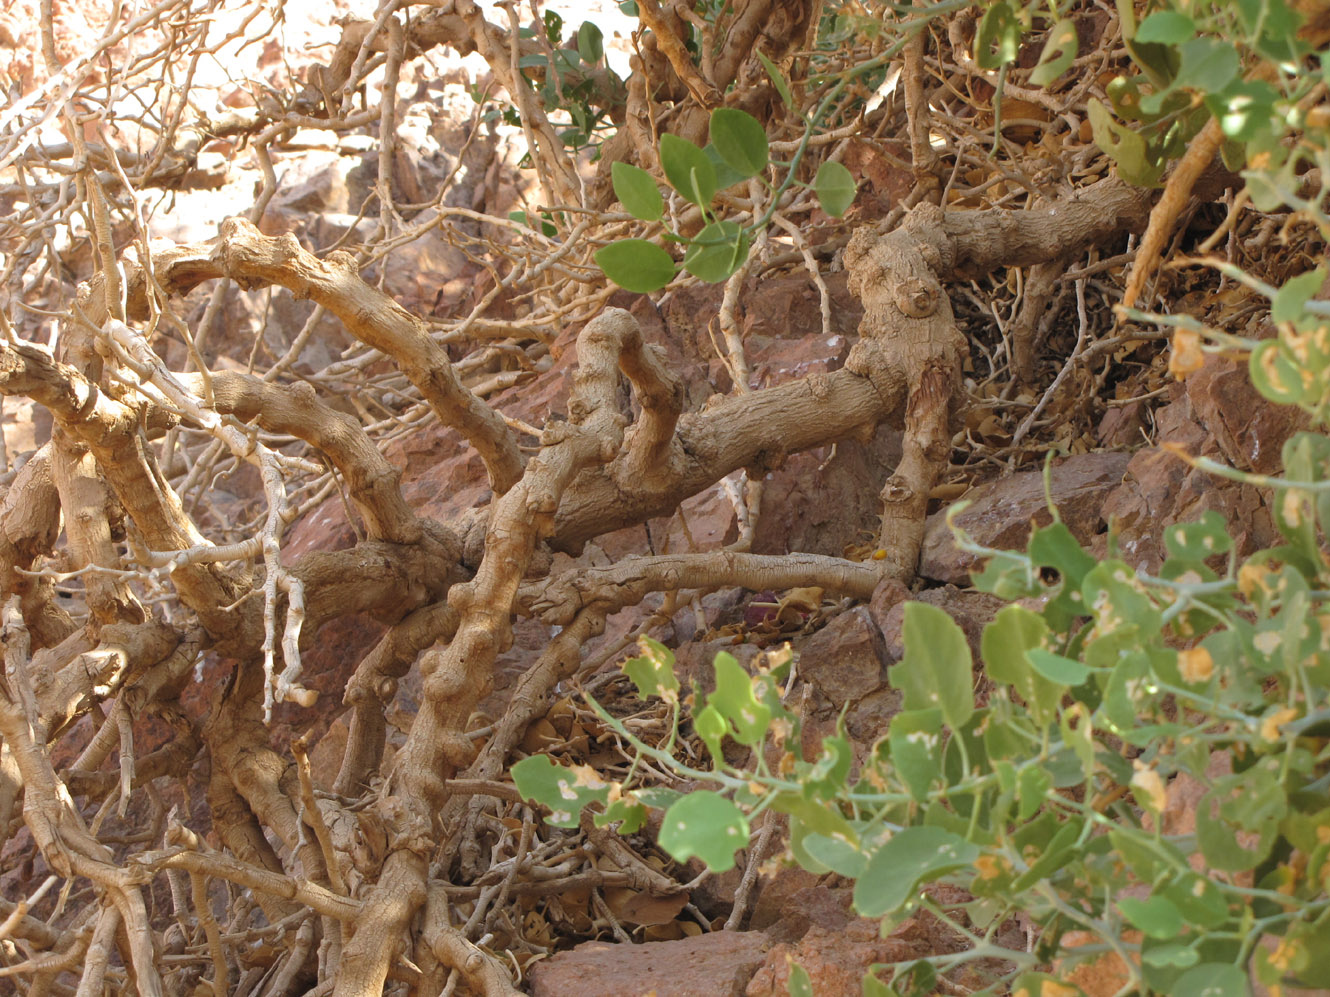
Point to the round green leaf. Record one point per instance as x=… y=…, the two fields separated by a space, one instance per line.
x=1059 y=53
x=1156 y=916
x=740 y=139
x=835 y=188
x=1165 y=27
x=912 y=855
x=563 y=790
x=1212 y=979
x=688 y=169
x=716 y=252
x=637 y=192
x=1208 y=64
x=1056 y=668
x=636 y=265
x=707 y=825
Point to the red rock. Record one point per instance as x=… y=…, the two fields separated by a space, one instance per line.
x=1219 y=416
x=835 y=959
x=970 y=609
x=718 y=964
x=846 y=659
x=1000 y=512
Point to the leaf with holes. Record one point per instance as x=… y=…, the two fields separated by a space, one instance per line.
x=564 y=791
x=1058 y=55
x=707 y=825
x=653 y=671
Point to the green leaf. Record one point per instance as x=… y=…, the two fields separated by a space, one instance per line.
x=1208 y=65
x=1129 y=151
x=1055 y=546
x=1275 y=374
x=716 y=252
x=798 y=984
x=637 y=192
x=537 y=222
x=1246 y=112
x=687 y=169
x=1212 y=979
x=1199 y=900
x=997 y=40
x=740 y=139
x=711 y=728
x=1165 y=27
x=936 y=669
x=653 y=671
x=1059 y=53
x=1177 y=955
x=1155 y=916
x=726 y=175
x=1218 y=834
x=1032 y=789
x=707 y=825
x=825 y=777
x=1056 y=668
x=1199 y=541
x=1287 y=304
x=748 y=719
x=636 y=265
x=590 y=43
x=657 y=797
x=563 y=790
x=916 y=749
x=914 y=855
x=778 y=80
x=808 y=817
x=834 y=187
x=836 y=854
x=628 y=812
x=873 y=987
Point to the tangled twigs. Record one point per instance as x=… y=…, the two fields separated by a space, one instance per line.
x=454 y=677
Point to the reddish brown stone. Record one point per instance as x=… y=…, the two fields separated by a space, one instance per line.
x=1001 y=512
x=718 y=964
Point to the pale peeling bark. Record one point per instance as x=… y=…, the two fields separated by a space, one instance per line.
x=359 y=859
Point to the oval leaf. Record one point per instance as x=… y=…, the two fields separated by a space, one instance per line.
x=740 y=139
x=777 y=79
x=913 y=855
x=636 y=265
x=716 y=252
x=1056 y=668
x=1212 y=979
x=688 y=169
x=590 y=43
x=1058 y=55
x=936 y=669
x=1156 y=916
x=707 y=825
x=835 y=188
x=637 y=192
